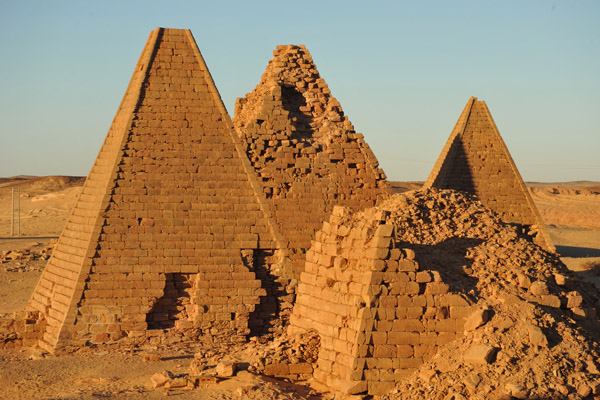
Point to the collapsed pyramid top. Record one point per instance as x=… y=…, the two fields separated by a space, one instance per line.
x=169 y=223
x=293 y=75
x=303 y=148
x=476 y=160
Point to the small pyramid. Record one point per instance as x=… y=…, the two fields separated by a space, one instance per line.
x=476 y=160
x=304 y=150
x=365 y=296
x=169 y=225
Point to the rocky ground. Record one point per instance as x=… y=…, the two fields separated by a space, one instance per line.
x=523 y=362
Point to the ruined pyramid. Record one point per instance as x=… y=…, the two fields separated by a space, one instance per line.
x=304 y=150
x=476 y=160
x=390 y=287
x=170 y=223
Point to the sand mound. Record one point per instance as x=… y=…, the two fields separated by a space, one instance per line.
x=569 y=205
x=41 y=185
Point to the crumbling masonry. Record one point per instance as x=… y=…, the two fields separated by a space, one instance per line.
x=308 y=158
x=379 y=314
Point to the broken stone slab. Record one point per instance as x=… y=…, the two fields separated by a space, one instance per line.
x=536 y=336
x=427 y=374
x=517 y=391
x=198 y=380
x=539 y=288
x=226 y=369
x=477 y=319
x=480 y=354
x=574 y=299
x=560 y=279
x=584 y=390
x=472 y=381
x=151 y=357
x=160 y=379
x=177 y=383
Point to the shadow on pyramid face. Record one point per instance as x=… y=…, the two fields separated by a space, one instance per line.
x=175 y=304
x=293 y=101
x=266 y=317
x=450 y=259
x=457 y=174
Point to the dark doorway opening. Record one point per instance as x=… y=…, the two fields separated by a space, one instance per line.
x=175 y=304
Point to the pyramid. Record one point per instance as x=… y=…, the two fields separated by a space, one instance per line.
x=304 y=150
x=365 y=296
x=170 y=223
x=476 y=160
x=423 y=275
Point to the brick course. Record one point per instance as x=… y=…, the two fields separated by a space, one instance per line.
x=379 y=314
x=165 y=231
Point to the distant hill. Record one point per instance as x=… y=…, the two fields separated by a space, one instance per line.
x=37 y=184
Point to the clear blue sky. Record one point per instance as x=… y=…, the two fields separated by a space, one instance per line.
x=402 y=71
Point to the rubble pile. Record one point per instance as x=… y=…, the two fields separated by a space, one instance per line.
x=533 y=353
x=541 y=339
x=431 y=291
x=477 y=253
x=25 y=259
x=288 y=356
x=28 y=254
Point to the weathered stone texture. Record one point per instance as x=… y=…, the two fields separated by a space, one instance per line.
x=169 y=225
x=378 y=313
x=23 y=328
x=304 y=150
x=476 y=160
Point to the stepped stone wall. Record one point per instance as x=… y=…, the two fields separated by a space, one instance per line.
x=171 y=223
x=476 y=160
x=304 y=150
x=379 y=314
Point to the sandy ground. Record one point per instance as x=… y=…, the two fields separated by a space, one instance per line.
x=571 y=210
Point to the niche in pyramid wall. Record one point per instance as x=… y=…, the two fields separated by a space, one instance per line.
x=164 y=233
x=304 y=150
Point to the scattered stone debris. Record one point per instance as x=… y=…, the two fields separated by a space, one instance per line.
x=26 y=259
x=21 y=329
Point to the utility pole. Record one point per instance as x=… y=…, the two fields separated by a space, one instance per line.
x=12 y=214
x=19 y=212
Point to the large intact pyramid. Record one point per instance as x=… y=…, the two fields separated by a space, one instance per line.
x=170 y=223
x=476 y=160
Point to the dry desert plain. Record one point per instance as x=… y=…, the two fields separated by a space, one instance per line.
x=571 y=211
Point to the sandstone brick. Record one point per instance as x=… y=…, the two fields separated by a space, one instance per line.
x=157 y=219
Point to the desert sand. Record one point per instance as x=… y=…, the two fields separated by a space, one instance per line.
x=571 y=211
